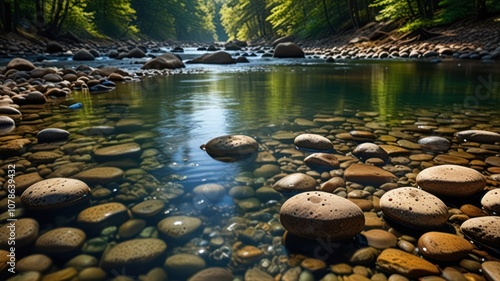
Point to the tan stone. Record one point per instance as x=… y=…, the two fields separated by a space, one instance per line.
x=368 y=175
x=444 y=246
x=408 y=265
x=62 y=240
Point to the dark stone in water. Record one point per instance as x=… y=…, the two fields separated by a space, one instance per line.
x=231 y=148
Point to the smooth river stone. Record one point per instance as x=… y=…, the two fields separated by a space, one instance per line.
x=7 y=124
x=491 y=270
x=442 y=246
x=101 y=175
x=41 y=157
x=480 y=136
x=485 y=230
x=26 y=232
x=182 y=266
x=368 y=175
x=296 y=182
x=24 y=181
x=491 y=201
x=100 y=216
x=493 y=161
x=135 y=255
x=313 y=141
x=35 y=262
x=325 y=160
x=434 y=144
x=61 y=241
x=116 y=152
x=52 y=135
x=212 y=274
x=230 y=148
x=414 y=207
x=451 y=159
x=321 y=215
x=408 y=265
x=369 y=150
x=55 y=193
x=179 y=227
x=148 y=208
x=380 y=239
x=210 y=191
x=451 y=180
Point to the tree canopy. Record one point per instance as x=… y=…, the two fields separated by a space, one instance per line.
x=212 y=20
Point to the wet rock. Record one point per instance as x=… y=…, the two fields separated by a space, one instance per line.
x=212 y=274
x=97 y=217
x=483 y=230
x=480 y=136
x=210 y=191
x=131 y=228
x=369 y=150
x=182 y=266
x=491 y=201
x=219 y=57
x=179 y=227
x=133 y=256
x=321 y=215
x=7 y=124
x=288 y=50
x=408 y=265
x=55 y=193
x=296 y=182
x=61 y=241
x=148 y=208
x=100 y=175
x=25 y=231
x=164 y=61
x=451 y=180
x=451 y=159
x=256 y=274
x=230 y=148
x=52 y=135
x=414 y=207
x=442 y=246
x=120 y=151
x=82 y=261
x=41 y=157
x=313 y=142
x=491 y=270
x=92 y=274
x=434 y=144
x=36 y=262
x=324 y=160
x=368 y=175
x=493 y=161
x=83 y=54
x=53 y=47
x=19 y=64
x=380 y=239
x=332 y=184
x=136 y=53
x=69 y=273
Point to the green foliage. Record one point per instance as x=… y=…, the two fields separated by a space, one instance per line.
x=113 y=17
x=245 y=19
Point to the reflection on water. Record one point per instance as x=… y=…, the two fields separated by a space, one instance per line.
x=171 y=116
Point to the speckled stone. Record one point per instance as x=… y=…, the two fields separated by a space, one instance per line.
x=231 y=147
x=491 y=270
x=212 y=274
x=120 y=151
x=324 y=160
x=380 y=239
x=313 y=142
x=148 y=208
x=296 y=182
x=43 y=157
x=414 y=207
x=35 y=262
x=321 y=214
x=485 y=230
x=210 y=191
x=60 y=241
x=55 y=193
x=101 y=175
x=408 y=265
x=491 y=201
x=133 y=255
x=52 y=135
x=480 y=136
x=100 y=216
x=24 y=181
x=182 y=266
x=368 y=175
x=179 y=227
x=442 y=246
x=26 y=232
x=451 y=180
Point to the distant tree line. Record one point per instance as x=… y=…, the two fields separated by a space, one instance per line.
x=212 y=20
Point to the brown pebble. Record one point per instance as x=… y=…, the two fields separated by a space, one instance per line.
x=400 y=262
x=444 y=246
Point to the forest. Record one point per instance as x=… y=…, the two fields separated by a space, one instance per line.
x=222 y=20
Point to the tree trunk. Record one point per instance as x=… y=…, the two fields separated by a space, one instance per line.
x=325 y=9
x=40 y=17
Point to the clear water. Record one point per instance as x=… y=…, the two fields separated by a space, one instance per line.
x=184 y=111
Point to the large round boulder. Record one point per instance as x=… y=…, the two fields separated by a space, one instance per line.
x=318 y=214
x=451 y=180
x=164 y=61
x=219 y=57
x=19 y=64
x=288 y=50
x=83 y=54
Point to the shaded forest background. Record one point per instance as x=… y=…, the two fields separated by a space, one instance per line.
x=222 y=20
